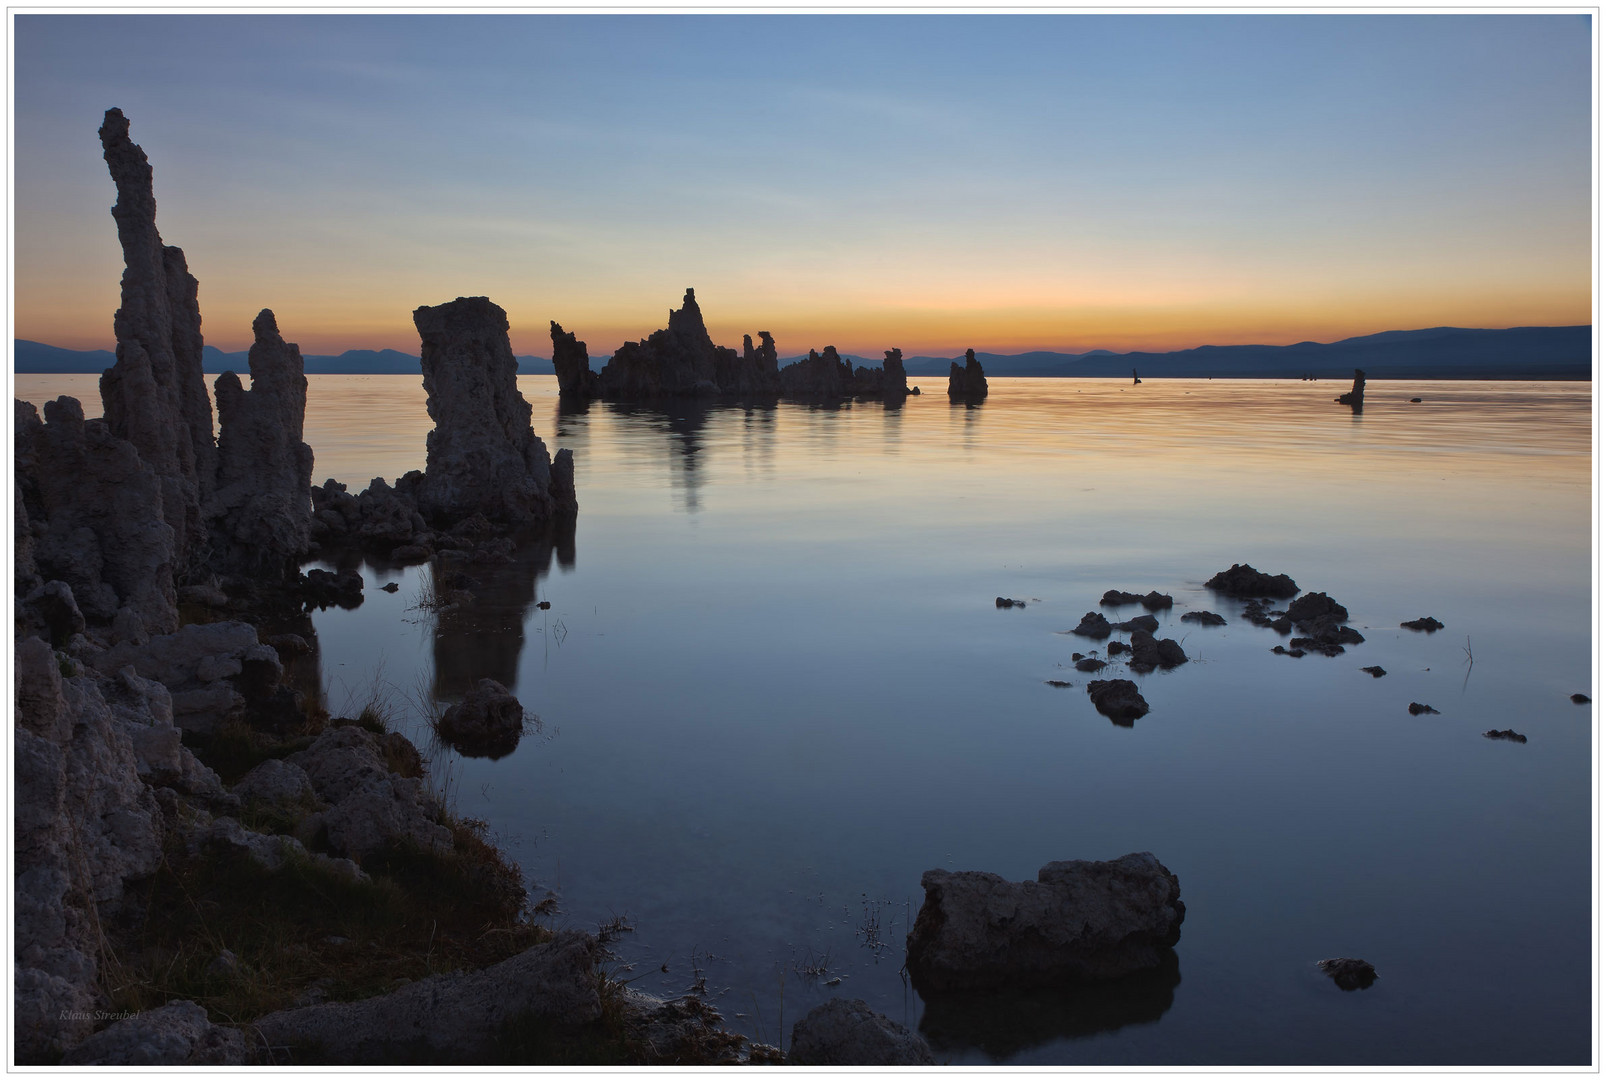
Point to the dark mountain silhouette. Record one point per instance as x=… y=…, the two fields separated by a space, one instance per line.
x=1440 y=352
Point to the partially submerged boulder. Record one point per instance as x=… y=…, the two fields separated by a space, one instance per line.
x=1427 y=624
x=1349 y=973
x=1117 y=699
x=1079 y=921
x=1204 y=618
x=488 y=722
x=1093 y=625
x=1245 y=581
x=849 y=1032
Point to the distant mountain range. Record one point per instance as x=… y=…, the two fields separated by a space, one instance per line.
x=1443 y=352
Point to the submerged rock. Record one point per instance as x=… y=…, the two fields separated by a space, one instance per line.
x=1148 y=654
x=1090 y=663
x=1243 y=580
x=1204 y=618
x=1079 y=921
x=968 y=383
x=843 y=1032
x=1427 y=624
x=1146 y=623
x=1093 y=625
x=1116 y=598
x=1117 y=699
x=1374 y=671
x=1349 y=973
x=1006 y=602
x=483 y=456
x=1418 y=709
x=1155 y=600
x=1508 y=735
x=1580 y=699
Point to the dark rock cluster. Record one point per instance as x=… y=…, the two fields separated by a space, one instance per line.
x=968 y=383
x=683 y=361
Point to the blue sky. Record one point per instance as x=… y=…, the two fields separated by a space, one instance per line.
x=929 y=182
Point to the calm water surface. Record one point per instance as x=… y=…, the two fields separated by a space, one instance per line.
x=774 y=689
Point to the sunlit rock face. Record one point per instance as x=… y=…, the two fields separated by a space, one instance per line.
x=483 y=456
x=95 y=507
x=968 y=383
x=260 y=513
x=154 y=396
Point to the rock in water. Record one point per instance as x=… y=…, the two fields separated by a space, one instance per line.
x=1093 y=625
x=1427 y=624
x=154 y=395
x=488 y=722
x=1508 y=735
x=1117 y=699
x=572 y=364
x=260 y=513
x=483 y=456
x=1245 y=581
x=843 y=1032
x=1079 y=921
x=1357 y=394
x=1349 y=973
x=968 y=383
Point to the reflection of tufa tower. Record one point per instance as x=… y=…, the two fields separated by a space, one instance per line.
x=483 y=637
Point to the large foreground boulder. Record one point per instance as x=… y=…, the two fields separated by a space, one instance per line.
x=176 y=1034
x=445 y=1019
x=843 y=1032
x=1079 y=921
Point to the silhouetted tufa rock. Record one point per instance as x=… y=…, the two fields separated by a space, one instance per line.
x=260 y=513
x=679 y=360
x=1148 y=654
x=1117 y=699
x=572 y=364
x=1374 y=671
x=843 y=1032
x=483 y=455
x=1146 y=623
x=1204 y=618
x=1093 y=625
x=1156 y=601
x=488 y=722
x=1357 y=394
x=818 y=377
x=1427 y=624
x=1508 y=735
x=1349 y=973
x=1243 y=580
x=968 y=383
x=1580 y=699
x=95 y=508
x=154 y=396
x=1090 y=663
x=1115 y=598
x=1418 y=709
x=1007 y=602
x=1080 y=921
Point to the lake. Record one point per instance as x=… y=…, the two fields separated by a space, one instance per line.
x=774 y=688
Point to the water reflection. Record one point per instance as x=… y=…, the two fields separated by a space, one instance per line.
x=1002 y=1024
x=479 y=605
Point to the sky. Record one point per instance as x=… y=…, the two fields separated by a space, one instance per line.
x=925 y=182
